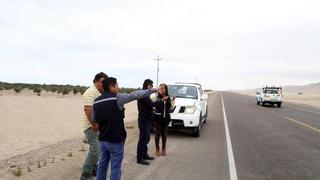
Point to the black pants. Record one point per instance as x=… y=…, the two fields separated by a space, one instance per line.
x=144 y=138
x=161 y=131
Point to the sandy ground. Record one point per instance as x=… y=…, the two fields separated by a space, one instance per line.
x=312 y=99
x=32 y=125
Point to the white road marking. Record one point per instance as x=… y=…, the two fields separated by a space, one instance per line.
x=232 y=165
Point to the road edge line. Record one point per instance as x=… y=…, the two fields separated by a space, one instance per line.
x=232 y=165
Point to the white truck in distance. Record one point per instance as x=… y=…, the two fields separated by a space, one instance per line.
x=190 y=108
x=270 y=95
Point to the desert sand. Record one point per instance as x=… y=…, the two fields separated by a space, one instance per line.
x=34 y=128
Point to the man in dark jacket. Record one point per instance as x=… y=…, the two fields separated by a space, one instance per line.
x=145 y=106
x=109 y=115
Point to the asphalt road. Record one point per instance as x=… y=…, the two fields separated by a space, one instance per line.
x=187 y=157
x=266 y=143
x=273 y=143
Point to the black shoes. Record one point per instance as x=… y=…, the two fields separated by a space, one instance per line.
x=147 y=157
x=94 y=172
x=85 y=176
x=143 y=162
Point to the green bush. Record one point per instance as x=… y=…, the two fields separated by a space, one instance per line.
x=75 y=90
x=53 y=89
x=59 y=90
x=46 y=87
x=128 y=90
x=7 y=86
x=65 y=90
x=37 y=89
x=18 y=89
x=83 y=89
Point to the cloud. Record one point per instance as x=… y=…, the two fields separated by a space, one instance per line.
x=222 y=44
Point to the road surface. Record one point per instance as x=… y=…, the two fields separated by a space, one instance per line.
x=265 y=142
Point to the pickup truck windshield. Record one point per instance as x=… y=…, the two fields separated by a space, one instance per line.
x=183 y=91
x=271 y=91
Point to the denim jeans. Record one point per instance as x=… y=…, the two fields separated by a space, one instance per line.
x=144 y=138
x=113 y=152
x=91 y=161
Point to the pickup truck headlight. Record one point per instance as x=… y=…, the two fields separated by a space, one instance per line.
x=190 y=109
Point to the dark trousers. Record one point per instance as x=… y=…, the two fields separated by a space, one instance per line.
x=144 y=138
x=161 y=131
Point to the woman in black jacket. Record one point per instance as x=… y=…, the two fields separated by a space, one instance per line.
x=162 y=118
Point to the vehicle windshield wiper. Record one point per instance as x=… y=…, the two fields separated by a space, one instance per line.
x=180 y=96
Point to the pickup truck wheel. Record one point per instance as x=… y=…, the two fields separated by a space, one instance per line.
x=279 y=105
x=197 y=133
x=206 y=117
x=262 y=103
x=258 y=102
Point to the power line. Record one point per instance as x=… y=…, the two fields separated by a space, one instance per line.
x=34 y=9
x=42 y=2
x=43 y=35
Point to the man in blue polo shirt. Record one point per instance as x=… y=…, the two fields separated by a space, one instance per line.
x=109 y=115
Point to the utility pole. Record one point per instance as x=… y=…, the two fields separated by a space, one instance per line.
x=158 y=60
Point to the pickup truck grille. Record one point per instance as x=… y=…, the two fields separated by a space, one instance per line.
x=177 y=123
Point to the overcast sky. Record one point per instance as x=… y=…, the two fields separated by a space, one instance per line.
x=221 y=44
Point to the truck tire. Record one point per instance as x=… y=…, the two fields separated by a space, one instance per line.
x=279 y=105
x=262 y=103
x=206 y=117
x=197 y=133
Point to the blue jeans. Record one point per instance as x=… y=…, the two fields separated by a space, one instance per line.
x=110 y=152
x=92 y=158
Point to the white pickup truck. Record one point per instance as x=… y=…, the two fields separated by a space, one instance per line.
x=190 y=108
x=270 y=95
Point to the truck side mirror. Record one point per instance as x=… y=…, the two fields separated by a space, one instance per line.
x=204 y=97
